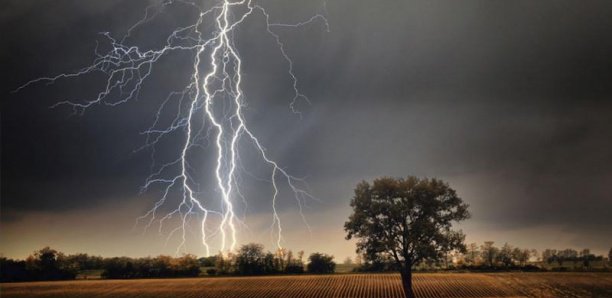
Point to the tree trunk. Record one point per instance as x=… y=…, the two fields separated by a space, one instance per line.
x=407 y=282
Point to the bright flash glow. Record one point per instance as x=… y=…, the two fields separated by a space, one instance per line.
x=210 y=107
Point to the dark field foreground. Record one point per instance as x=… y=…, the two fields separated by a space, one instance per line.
x=343 y=285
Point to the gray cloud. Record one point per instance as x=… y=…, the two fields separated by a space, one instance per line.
x=508 y=101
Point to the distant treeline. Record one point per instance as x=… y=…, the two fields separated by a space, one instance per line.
x=49 y=264
x=160 y=266
x=250 y=259
x=488 y=257
x=584 y=258
x=45 y=264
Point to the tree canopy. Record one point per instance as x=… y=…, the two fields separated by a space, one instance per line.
x=320 y=263
x=409 y=219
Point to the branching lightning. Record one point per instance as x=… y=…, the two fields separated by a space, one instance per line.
x=210 y=107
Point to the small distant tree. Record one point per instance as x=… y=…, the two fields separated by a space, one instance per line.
x=587 y=258
x=250 y=259
x=472 y=254
x=295 y=267
x=408 y=219
x=358 y=260
x=320 y=263
x=567 y=255
x=521 y=255
x=549 y=256
x=382 y=262
x=285 y=262
x=224 y=264
x=279 y=259
x=188 y=265
x=610 y=255
x=505 y=255
x=533 y=253
x=270 y=263
x=348 y=261
x=454 y=258
x=489 y=253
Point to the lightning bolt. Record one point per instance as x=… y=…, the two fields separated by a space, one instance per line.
x=210 y=107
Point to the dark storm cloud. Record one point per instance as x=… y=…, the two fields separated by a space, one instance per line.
x=52 y=159
x=508 y=101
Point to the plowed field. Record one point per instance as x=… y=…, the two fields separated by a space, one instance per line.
x=341 y=285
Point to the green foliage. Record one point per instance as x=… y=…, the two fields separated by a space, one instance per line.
x=407 y=219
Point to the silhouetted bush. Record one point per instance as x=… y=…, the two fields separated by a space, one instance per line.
x=250 y=259
x=13 y=270
x=45 y=264
x=161 y=266
x=321 y=263
x=294 y=269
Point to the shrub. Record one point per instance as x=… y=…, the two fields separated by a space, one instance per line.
x=321 y=263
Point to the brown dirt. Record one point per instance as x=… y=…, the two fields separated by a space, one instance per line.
x=343 y=285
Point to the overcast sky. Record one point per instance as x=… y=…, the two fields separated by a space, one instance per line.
x=510 y=102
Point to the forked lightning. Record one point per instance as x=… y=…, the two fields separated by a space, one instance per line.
x=211 y=106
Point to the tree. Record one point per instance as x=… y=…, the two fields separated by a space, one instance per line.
x=359 y=260
x=587 y=258
x=549 y=255
x=489 y=253
x=568 y=254
x=409 y=219
x=321 y=263
x=188 y=265
x=209 y=261
x=521 y=255
x=533 y=253
x=13 y=270
x=472 y=254
x=45 y=265
x=348 y=261
x=270 y=263
x=250 y=259
x=224 y=264
x=505 y=255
